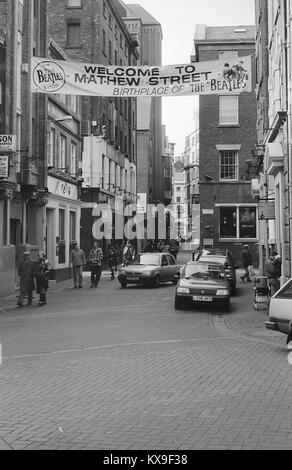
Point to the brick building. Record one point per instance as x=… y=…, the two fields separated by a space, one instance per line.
x=150 y=147
x=227 y=134
x=94 y=32
x=274 y=124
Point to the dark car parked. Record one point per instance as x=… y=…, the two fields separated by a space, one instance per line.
x=224 y=257
x=202 y=282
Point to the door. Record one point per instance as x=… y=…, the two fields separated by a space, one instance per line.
x=49 y=241
x=173 y=269
x=164 y=268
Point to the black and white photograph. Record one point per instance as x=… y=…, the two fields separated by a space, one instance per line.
x=145 y=228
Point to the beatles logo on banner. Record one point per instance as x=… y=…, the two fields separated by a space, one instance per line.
x=200 y=78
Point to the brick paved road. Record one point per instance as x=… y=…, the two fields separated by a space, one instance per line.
x=121 y=369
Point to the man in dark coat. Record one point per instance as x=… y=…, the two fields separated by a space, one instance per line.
x=42 y=269
x=273 y=272
x=26 y=273
x=246 y=262
x=112 y=261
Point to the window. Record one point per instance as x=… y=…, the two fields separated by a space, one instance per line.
x=228 y=222
x=238 y=222
x=62 y=153
x=72 y=226
x=228 y=165
x=228 y=110
x=73 y=159
x=178 y=188
x=178 y=199
x=74 y=3
x=110 y=52
x=51 y=156
x=73 y=35
x=103 y=43
x=247 y=222
x=170 y=260
x=61 y=242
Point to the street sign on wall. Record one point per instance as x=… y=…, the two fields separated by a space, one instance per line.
x=4 y=166
x=266 y=210
x=7 y=142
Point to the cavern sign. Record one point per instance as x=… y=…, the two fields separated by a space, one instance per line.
x=200 y=78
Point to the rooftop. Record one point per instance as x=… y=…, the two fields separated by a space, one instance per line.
x=225 y=33
x=136 y=11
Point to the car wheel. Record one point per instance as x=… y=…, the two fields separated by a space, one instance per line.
x=156 y=281
x=123 y=285
x=177 y=304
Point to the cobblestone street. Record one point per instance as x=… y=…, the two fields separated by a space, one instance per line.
x=121 y=369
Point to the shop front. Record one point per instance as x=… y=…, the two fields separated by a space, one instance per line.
x=63 y=213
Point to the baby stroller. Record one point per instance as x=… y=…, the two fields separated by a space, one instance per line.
x=261 y=292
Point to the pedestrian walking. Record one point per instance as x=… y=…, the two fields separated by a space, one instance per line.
x=112 y=260
x=42 y=269
x=246 y=262
x=149 y=248
x=77 y=260
x=160 y=246
x=26 y=273
x=273 y=272
x=95 y=259
x=173 y=249
x=128 y=253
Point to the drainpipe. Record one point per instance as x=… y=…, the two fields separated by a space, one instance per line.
x=289 y=119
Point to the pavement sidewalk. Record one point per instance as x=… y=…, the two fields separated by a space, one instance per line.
x=9 y=302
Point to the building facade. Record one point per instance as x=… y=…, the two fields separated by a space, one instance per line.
x=273 y=150
x=191 y=162
x=227 y=134
x=147 y=32
x=95 y=32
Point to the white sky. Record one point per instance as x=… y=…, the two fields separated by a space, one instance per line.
x=178 y=19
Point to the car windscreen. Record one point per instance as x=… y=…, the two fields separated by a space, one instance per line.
x=216 y=259
x=285 y=292
x=147 y=259
x=204 y=272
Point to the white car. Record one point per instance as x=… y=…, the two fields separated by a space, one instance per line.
x=280 y=310
x=150 y=269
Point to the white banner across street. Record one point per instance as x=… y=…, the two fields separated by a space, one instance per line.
x=199 y=78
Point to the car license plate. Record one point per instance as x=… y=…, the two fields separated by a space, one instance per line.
x=134 y=278
x=202 y=298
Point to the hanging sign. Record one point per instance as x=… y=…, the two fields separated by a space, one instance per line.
x=199 y=78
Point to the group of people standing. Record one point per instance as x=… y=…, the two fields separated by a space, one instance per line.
x=160 y=246
x=33 y=275
x=115 y=256
x=273 y=268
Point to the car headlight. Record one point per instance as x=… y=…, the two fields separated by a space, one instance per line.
x=148 y=273
x=222 y=292
x=122 y=272
x=183 y=290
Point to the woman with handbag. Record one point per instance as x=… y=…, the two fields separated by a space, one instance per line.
x=42 y=269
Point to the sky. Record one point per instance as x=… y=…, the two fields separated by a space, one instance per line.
x=178 y=19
